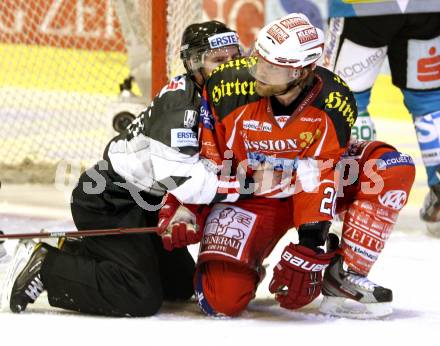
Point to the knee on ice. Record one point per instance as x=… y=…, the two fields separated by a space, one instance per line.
x=223 y=289
x=142 y=307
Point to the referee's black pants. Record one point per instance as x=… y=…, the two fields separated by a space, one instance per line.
x=123 y=275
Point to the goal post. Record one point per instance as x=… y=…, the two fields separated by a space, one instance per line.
x=62 y=65
x=159 y=44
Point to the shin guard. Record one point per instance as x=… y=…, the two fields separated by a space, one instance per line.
x=367 y=226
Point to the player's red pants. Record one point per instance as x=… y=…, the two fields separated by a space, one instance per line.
x=237 y=238
x=227 y=287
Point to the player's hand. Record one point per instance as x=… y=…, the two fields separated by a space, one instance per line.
x=297 y=278
x=180 y=225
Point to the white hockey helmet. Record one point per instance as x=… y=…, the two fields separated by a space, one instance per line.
x=289 y=44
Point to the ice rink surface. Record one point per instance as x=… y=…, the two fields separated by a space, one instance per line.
x=409 y=265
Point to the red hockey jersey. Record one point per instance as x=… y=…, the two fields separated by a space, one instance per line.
x=239 y=125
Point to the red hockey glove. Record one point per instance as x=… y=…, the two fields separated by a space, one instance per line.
x=181 y=225
x=297 y=278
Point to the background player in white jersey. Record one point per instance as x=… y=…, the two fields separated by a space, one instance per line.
x=130 y=275
x=360 y=35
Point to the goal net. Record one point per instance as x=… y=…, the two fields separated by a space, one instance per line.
x=62 y=64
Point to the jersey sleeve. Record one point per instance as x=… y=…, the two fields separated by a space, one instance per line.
x=315 y=195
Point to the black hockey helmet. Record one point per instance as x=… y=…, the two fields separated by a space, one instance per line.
x=200 y=39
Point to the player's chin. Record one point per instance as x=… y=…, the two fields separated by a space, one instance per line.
x=266 y=90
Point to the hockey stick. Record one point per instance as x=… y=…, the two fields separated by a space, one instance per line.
x=78 y=234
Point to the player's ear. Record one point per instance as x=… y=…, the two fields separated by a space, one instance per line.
x=306 y=71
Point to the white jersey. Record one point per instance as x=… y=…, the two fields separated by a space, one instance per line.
x=360 y=8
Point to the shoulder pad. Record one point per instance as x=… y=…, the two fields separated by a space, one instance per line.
x=230 y=86
x=337 y=100
x=179 y=85
x=173 y=114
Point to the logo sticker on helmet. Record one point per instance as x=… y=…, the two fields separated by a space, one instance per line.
x=223 y=39
x=278 y=33
x=307 y=35
x=293 y=22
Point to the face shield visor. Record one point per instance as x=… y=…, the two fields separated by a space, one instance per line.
x=216 y=50
x=269 y=73
x=211 y=58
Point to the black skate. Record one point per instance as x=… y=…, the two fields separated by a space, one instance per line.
x=348 y=294
x=430 y=212
x=23 y=283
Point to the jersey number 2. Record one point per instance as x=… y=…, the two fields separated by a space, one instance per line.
x=328 y=202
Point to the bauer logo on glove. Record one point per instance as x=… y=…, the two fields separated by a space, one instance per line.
x=303 y=264
x=297 y=278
